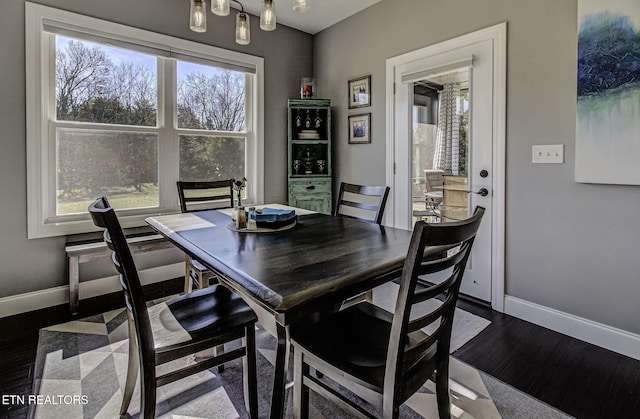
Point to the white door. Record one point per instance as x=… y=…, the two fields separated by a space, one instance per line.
x=479 y=179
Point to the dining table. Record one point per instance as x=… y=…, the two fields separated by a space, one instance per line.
x=289 y=275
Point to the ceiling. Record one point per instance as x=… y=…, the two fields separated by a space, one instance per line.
x=323 y=13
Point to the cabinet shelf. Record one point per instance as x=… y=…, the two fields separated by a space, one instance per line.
x=310 y=176
x=320 y=141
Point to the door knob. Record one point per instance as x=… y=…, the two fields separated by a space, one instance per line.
x=481 y=192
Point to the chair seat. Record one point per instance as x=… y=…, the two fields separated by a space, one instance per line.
x=211 y=310
x=354 y=340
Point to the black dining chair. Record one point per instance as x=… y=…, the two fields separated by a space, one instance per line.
x=362 y=202
x=196 y=196
x=383 y=357
x=208 y=317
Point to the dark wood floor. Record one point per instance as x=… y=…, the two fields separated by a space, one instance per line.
x=580 y=379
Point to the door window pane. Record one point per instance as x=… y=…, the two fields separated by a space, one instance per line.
x=93 y=163
x=210 y=98
x=440 y=147
x=102 y=84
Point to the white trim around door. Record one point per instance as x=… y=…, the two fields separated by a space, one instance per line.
x=398 y=129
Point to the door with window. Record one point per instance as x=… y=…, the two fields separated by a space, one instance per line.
x=445 y=142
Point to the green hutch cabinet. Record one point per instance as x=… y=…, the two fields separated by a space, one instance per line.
x=309 y=154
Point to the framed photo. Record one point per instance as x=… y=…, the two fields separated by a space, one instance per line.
x=359 y=128
x=360 y=92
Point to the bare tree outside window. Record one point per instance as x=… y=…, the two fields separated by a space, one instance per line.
x=211 y=99
x=98 y=84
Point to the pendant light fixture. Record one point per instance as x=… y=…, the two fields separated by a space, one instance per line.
x=301 y=6
x=243 y=30
x=268 y=16
x=220 y=7
x=198 y=16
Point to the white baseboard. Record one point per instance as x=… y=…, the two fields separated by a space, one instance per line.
x=36 y=300
x=598 y=334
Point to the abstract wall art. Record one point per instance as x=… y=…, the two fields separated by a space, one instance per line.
x=608 y=108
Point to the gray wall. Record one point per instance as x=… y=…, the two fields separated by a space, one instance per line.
x=569 y=246
x=572 y=247
x=29 y=265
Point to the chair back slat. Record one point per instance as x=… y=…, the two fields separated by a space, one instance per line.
x=438 y=265
x=371 y=202
x=415 y=352
x=433 y=290
x=429 y=318
x=404 y=350
x=218 y=193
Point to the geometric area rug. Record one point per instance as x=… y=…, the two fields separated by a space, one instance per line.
x=81 y=367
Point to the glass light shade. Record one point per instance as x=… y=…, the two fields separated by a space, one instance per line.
x=243 y=31
x=268 y=16
x=220 y=7
x=301 y=5
x=198 y=16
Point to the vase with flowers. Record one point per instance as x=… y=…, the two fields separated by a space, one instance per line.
x=238 y=187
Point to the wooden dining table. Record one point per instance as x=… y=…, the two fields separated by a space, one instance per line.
x=289 y=276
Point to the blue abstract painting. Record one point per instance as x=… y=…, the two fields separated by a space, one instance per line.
x=608 y=109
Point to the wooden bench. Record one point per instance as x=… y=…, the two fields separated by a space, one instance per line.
x=82 y=253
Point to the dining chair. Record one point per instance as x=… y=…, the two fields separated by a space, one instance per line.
x=362 y=202
x=195 y=196
x=434 y=184
x=192 y=322
x=383 y=357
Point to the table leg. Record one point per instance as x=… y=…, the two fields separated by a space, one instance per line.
x=74 y=284
x=280 y=373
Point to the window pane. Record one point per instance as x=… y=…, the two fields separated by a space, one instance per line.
x=120 y=165
x=211 y=158
x=210 y=98
x=101 y=84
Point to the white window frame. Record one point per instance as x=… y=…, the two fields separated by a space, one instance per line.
x=40 y=101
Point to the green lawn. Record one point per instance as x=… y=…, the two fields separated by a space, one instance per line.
x=119 y=198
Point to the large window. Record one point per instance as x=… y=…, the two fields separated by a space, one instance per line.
x=121 y=112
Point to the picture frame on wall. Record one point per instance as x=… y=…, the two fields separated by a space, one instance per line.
x=360 y=92
x=360 y=128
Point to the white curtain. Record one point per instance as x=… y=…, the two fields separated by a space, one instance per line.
x=446 y=156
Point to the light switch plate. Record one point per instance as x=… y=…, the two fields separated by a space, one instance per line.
x=548 y=153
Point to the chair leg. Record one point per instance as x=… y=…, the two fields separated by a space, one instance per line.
x=148 y=394
x=368 y=296
x=389 y=411
x=250 y=372
x=132 y=368
x=203 y=279
x=217 y=351
x=300 y=391
x=187 y=274
x=442 y=389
